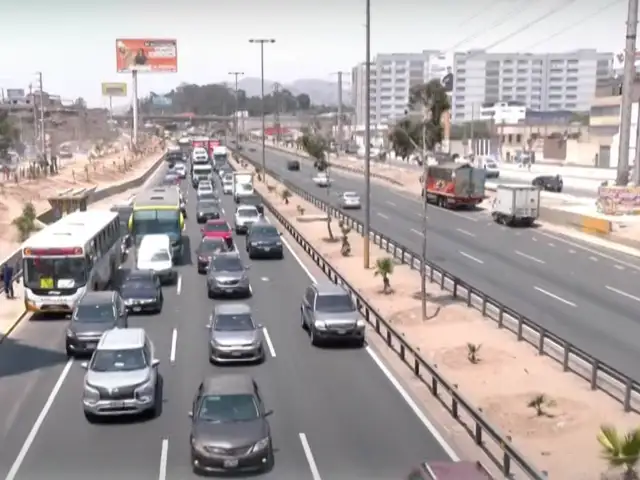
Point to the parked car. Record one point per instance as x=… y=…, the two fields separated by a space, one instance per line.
x=549 y=183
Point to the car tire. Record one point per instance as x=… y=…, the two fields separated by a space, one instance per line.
x=91 y=418
x=312 y=337
x=251 y=255
x=70 y=353
x=302 y=322
x=210 y=294
x=360 y=343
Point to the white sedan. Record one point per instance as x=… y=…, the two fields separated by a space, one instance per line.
x=350 y=200
x=322 y=180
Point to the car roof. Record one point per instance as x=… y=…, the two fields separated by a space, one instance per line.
x=231 y=254
x=122 y=339
x=232 y=309
x=228 y=384
x=97 y=298
x=325 y=287
x=217 y=221
x=247 y=207
x=133 y=274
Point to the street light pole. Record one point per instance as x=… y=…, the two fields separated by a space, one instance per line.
x=367 y=135
x=262 y=41
x=236 y=120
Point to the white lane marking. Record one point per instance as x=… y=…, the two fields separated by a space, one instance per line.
x=464 y=232
x=556 y=297
x=471 y=219
x=38 y=423
x=267 y=338
x=620 y=292
x=591 y=250
x=572 y=251
x=529 y=257
x=164 y=452
x=412 y=404
x=387 y=373
x=417 y=232
x=383 y=216
x=534 y=239
x=471 y=257
x=174 y=345
x=390 y=203
x=551 y=245
x=315 y=473
x=179 y=284
x=264 y=279
x=619 y=267
x=593 y=259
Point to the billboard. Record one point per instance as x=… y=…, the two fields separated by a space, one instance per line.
x=146 y=55
x=112 y=89
x=15 y=93
x=161 y=101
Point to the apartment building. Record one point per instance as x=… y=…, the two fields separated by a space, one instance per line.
x=544 y=82
x=392 y=75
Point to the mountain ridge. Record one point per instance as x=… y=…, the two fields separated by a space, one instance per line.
x=321 y=92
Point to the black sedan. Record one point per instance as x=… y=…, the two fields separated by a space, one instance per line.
x=140 y=290
x=263 y=241
x=549 y=183
x=293 y=165
x=207 y=209
x=209 y=246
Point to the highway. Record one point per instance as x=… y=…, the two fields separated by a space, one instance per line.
x=336 y=413
x=583 y=293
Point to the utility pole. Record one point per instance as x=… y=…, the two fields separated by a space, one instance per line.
x=43 y=139
x=262 y=41
x=367 y=134
x=425 y=171
x=472 y=133
x=224 y=111
x=236 y=75
x=622 y=176
x=36 y=128
x=276 y=113
x=339 y=118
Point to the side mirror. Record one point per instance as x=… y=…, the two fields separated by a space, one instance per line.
x=84 y=365
x=190 y=414
x=155 y=362
x=280 y=234
x=268 y=413
x=260 y=325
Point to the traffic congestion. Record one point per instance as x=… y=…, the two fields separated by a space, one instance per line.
x=211 y=349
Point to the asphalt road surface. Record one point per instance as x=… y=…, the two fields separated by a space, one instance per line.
x=583 y=293
x=337 y=415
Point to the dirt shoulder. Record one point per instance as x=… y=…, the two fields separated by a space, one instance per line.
x=102 y=172
x=508 y=374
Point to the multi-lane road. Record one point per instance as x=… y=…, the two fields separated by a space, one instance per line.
x=337 y=414
x=584 y=293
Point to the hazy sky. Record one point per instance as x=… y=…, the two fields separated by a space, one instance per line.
x=73 y=42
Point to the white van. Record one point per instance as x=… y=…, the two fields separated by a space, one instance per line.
x=200 y=156
x=201 y=173
x=154 y=253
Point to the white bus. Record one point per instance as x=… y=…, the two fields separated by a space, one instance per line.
x=79 y=252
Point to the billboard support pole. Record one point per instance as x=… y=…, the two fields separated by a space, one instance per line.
x=110 y=108
x=134 y=88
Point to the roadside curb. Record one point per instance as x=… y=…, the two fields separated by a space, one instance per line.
x=13 y=326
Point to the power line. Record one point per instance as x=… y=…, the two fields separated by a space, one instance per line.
x=501 y=21
x=480 y=12
x=526 y=27
x=575 y=24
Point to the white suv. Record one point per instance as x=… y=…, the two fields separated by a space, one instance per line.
x=245 y=216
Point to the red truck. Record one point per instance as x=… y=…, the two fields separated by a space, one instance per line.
x=452 y=185
x=213 y=143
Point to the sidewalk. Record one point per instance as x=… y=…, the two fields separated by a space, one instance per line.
x=11 y=311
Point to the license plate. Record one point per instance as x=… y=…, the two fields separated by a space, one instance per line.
x=267 y=249
x=231 y=463
x=341 y=331
x=92 y=345
x=236 y=354
x=137 y=309
x=116 y=404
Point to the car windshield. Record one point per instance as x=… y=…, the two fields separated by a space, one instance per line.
x=55 y=272
x=94 y=313
x=125 y=360
x=216 y=227
x=213 y=245
x=204 y=187
x=228 y=408
x=207 y=204
x=264 y=231
x=137 y=288
x=233 y=323
x=227 y=264
x=206 y=195
x=338 y=303
x=350 y=195
x=247 y=212
x=160 y=257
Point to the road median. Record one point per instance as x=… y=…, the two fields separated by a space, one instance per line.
x=499 y=375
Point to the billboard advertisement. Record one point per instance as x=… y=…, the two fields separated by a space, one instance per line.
x=15 y=93
x=146 y=55
x=113 y=89
x=161 y=101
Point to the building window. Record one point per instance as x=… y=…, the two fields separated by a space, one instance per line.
x=605 y=111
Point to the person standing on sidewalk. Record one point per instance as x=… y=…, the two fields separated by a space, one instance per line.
x=7 y=277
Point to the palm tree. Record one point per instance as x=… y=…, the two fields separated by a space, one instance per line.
x=473 y=351
x=539 y=403
x=384 y=268
x=621 y=451
x=430 y=98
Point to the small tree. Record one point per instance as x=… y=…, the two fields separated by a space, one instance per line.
x=621 y=451
x=472 y=352
x=345 y=248
x=286 y=195
x=258 y=174
x=540 y=403
x=26 y=222
x=316 y=147
x=404 y=137
x=384 y=269
x=300 y=209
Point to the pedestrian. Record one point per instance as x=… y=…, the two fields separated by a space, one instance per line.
x=7 y=277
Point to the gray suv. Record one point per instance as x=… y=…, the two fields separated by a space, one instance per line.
x=328 y=314
x=122 y=377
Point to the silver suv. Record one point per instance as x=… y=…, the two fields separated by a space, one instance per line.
x=328 y=314
x=122 y=377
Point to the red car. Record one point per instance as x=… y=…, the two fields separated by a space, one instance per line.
x=218 y=228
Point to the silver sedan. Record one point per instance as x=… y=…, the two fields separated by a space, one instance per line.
x=350 y=200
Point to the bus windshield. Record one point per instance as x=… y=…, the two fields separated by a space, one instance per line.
x=50 y=273
x=149 y=222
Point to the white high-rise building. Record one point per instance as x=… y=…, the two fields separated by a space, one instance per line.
x=545 y=81
x=392 y=75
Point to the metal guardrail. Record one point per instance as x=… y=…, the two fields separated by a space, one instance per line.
x=481 y=431
x=49 y=216
x=597 y=373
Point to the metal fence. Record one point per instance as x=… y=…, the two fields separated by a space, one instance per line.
x=617 y=385
x=481 y=431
